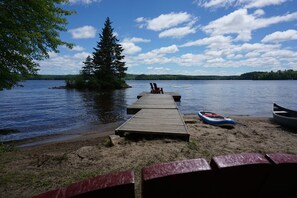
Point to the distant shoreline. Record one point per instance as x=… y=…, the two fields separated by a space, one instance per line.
x=278 y=75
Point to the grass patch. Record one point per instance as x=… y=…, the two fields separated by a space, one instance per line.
x=5 y=148
x=60 y=158
x=193 y=145
x=107 y=143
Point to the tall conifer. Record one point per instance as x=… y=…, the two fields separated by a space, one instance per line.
x=109 y=67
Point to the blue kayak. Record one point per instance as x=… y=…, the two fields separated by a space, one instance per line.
x=215 y=119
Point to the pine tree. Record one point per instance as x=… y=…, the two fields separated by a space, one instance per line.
x=88 y=69
x=109 y=69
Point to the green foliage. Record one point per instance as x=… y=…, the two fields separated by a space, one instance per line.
x=52 y=77
x=106 y=69
x=177 y=77
x=29 y=30
x=4 y=148
x=278 y=75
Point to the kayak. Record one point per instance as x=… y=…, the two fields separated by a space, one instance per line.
x=216 y=119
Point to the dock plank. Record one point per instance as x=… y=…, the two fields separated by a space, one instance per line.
x=156 y=121
x=176 y=96
x=152 y=101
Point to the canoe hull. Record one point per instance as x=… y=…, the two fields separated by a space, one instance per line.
x=284 y=117
x=217 y=121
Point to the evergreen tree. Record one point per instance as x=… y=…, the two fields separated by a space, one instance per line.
x=109 y=68
x=88 y=69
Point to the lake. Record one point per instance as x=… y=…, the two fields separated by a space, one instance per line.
x=35 y=110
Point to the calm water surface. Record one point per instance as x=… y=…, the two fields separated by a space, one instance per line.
x=35 y=110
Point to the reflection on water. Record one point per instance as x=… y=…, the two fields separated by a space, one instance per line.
x=107 y=106
x=34 y=110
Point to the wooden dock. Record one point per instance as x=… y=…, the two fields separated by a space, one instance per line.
x=156 y=114
x=152 y=101
x=175 y=95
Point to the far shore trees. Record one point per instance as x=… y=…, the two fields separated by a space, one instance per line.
x=106 y=68
x=29 y=30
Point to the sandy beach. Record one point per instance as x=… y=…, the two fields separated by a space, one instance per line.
x=53 y=162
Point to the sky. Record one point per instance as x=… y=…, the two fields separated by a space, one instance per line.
x=188 y=37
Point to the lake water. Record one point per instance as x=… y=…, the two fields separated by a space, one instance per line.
x=35 y=110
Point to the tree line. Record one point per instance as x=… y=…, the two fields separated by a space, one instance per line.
x=278 y=75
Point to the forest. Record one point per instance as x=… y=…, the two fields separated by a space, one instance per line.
x=272 y=75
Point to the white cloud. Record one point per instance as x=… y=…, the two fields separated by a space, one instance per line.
x=258 y=55
x=166 y=50
x=63 y=64
x=130 y=47
x=263 y=3
x=84 y=1
x=165 y=21
x=82 y=55
x=190 y=59
x=83 y=32
x=258 y=13
x=78 y=48
x=138 y=40
x=278 y=36
x=177 y=32
x=158 y=70
x=215 y=3
x=241 y=23
x=52 y=54
x=156 y=56
x=281 y=54
x=212 y=41
x=259 y=47
x=238 y=3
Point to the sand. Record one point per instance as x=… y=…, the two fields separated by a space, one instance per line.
x=28 y=171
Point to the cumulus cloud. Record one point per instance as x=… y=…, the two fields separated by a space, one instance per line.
x=263 y=3
x=78 y=48
x=156 y=56
x=158 y=70
x=258 y=55
x=84 y=1
x=241 y=23
x=212 y=41
x=178 y=32
x=139 y=40
x=258 y=13
x=63 y=64
x=174 y=25
x=166 y=50
x=238 y=3
x=81 y=55
x=278 y=36
x=130 y=47
x=164 y=21
x=215 y=3
x=83 y=32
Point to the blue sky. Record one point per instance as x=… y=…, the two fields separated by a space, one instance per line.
x=191 y=37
